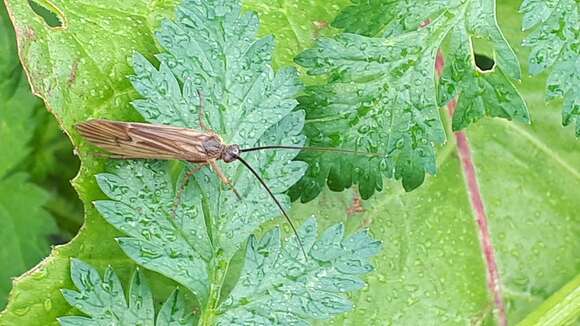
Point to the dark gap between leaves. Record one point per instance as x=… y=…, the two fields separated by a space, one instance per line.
x=49 y=15
x=57 y=239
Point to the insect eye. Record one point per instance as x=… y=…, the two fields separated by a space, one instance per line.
x=231 y=153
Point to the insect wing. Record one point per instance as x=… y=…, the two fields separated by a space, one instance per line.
x=146 y=141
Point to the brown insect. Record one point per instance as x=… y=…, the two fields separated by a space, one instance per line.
x=129 y=140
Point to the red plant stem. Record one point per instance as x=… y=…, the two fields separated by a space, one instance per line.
x=476 y=199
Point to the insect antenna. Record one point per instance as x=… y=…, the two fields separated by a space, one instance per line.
x=276 y=201
x=311 y=148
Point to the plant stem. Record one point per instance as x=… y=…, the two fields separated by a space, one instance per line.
x=218 y=272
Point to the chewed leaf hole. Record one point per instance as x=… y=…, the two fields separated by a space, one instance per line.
x=483 y=62
x=48 y=12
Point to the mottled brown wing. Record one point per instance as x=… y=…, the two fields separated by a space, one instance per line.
x=147 y=141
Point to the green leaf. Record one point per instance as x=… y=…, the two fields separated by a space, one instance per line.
x=237 y=95
x=379 y=17
x=141 y=208
x=555 y=43
x=481 y=93
x=380 y=93
x=432 y=268
x=173 y=310
x=24 y=223
x=35 y=142
x=481 y=23
x=275 y=288
x=371 y=95
x=16 y=130
x=530 y=184
x=195 y=244
x=478 y=17
x=295 y=23
x=10 y=69
x=81 y=72
x=103 y=300
x=18 y=104
x=25 y=228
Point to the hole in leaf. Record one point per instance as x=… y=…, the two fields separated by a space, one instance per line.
x=483 y=62
x=50 y=14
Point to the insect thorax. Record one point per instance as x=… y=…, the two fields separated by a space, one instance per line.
x=213 y=147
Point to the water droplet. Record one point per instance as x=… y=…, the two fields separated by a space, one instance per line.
x=21 y=311
x=47 y=304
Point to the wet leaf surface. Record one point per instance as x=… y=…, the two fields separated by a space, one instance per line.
x=380 y=94
x=103 y=300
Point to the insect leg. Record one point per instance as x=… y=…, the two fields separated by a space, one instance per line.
x=184 y=183
x=202 y=124
x=223 y=178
